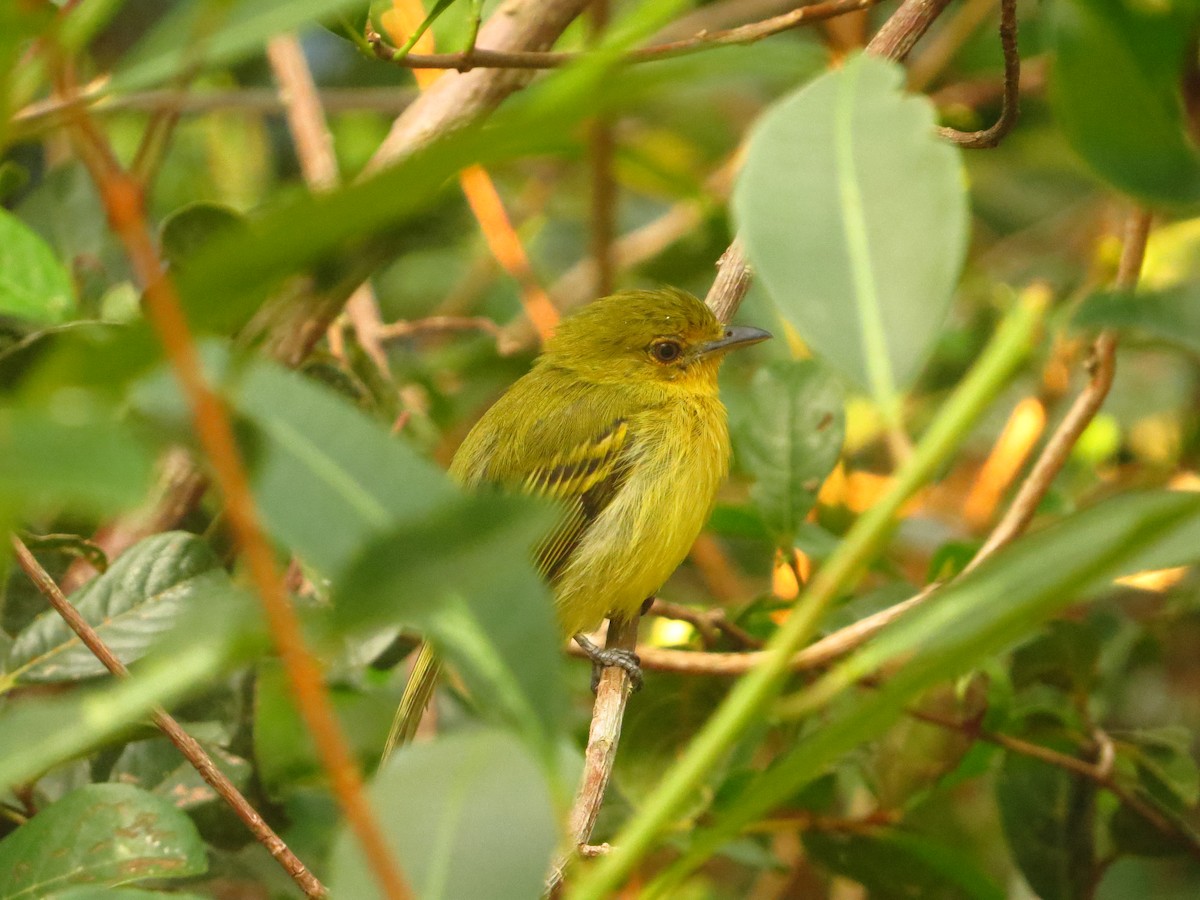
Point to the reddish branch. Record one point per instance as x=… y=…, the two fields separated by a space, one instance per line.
x=188 y=745
x=124 y=204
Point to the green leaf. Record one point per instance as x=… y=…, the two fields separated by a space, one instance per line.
x=33 y=283
x=960 y=626
x=70 y=452
x=1048 y=815
x=789 y=438
x=108 y=834
x=142 y=595
x=468 y=816
x=463 y=575
x=328 y=479
x=1118 y=68
x=216 y=34
x=854 y=214
x=157 y=766
x=94 y=893
x=894 y=865
x=35 y=737
x=1171 y=316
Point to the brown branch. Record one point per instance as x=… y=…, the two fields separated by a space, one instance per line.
x=1010 y=103
x=708 y=622
x=124 y=205
x=941 y=48
x=1101 y=367
x=188 y=745
x=436 y=324
x=604 y=735
x=481 y=58
x=1100 y=772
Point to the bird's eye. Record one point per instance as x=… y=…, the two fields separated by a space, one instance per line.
x=666 y=351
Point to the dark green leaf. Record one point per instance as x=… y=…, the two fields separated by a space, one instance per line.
x=830 y=174
x=108 y=834
x=463 y=575
x=1049 y=819
x=895 y=865
x=1065 y=655
x=1118 y=68
x=33 y=283
x=157 y=766
x=1171 y=316
x=216 y=34
x=788 y=439
x=468 y=816
x=70 y=453
x=141 y=596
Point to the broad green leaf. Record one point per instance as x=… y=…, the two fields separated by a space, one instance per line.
x=216 y=34
x=1048 y=815
x=143 y=594
x=36 y=736
x=70 y=452
x=95 y=893
x=1171 y=316
x=463 y=575
x=960 y=627
x=328 y=479
x=788 y=439
x=109 y=834
x=1118 y=70
x=1173 y=879
x=33 y=283
x=468 y=816
x=156 y=765
x=895 y=865
x=854 y=214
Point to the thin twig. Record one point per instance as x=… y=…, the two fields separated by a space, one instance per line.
x=124 y=204
x=601 y=147
x=941 y=48
x=709 y=622
x=1100 y=772
x=437 y=324
x=1101 y=367
x=482 y=58
x=188 y=745
x=1010 y=103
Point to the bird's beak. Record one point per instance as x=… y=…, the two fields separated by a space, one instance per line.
x=735 y=336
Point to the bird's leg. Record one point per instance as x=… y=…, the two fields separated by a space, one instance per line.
x=602 y=658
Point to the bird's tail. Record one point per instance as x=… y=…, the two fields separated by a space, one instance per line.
x=416 y=697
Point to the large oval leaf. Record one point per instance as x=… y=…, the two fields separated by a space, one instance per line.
x=854 y=216
x=141 y=596
x=468 y=816
x=789 y=438
x=107 y=834
x=1118 y=72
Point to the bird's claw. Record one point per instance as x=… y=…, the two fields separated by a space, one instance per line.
x=603 y=658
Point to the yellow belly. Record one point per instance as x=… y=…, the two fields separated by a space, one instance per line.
x=645 y=532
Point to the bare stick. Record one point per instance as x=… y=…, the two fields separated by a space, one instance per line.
x=481 y=58
x=175 y=733
x=1010 y=103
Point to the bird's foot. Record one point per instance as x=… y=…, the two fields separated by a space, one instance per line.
x=602 y=658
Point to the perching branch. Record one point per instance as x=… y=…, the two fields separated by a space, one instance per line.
x=188 y=745
x=1009 y=109
x=480 y=58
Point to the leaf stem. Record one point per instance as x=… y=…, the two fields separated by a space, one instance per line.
x=1008 y=347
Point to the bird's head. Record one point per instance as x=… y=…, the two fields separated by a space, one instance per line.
x=660 y=336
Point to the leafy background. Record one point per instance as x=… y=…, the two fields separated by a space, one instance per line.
x=1030 y=731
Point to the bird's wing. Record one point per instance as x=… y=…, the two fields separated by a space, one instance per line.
x=558 y=455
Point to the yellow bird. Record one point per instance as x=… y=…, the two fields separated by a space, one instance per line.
x=619 y=419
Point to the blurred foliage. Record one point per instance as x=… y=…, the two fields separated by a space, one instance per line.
x=1032 y=731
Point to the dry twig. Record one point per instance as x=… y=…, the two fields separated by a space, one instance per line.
x=1010 y=102
x=188 y=745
